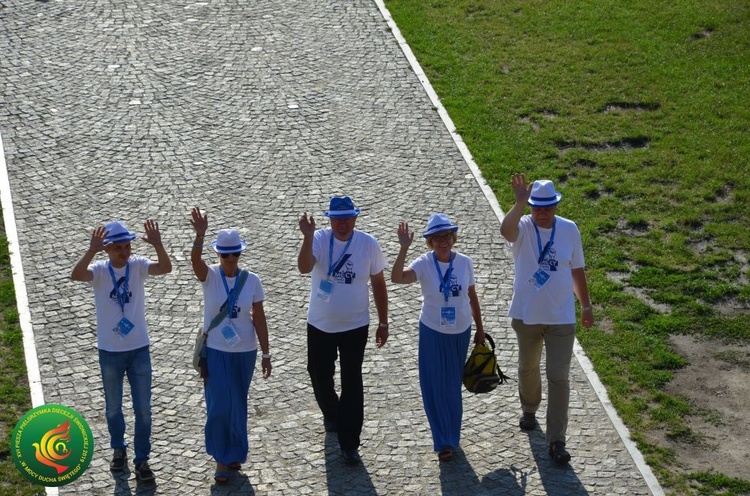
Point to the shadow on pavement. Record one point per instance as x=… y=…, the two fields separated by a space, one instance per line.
x=457 y=477
x=341 y=478
x=556 y=479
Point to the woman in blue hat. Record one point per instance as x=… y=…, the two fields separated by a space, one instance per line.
x=449 y=305
x=235 y=321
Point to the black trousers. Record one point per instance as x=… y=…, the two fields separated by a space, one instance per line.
x=348 y=410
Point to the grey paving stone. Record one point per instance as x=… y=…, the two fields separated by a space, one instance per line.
x=258 y=111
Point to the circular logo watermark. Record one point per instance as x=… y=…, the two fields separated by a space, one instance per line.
x=52 y=445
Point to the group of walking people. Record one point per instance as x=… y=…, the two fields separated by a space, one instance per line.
x=344 y=264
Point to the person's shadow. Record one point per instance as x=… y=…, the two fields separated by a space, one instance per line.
x=122 y=485
x=457 y=477
x=556 y=479
x=238 y=483
x=341 y=478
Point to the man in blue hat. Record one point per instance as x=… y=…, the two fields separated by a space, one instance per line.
x=122 y=332
x=549 y=276
x=341 y=260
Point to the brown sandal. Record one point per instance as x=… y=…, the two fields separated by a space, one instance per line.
x=445 y=455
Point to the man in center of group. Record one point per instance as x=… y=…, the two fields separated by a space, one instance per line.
x=342 y=260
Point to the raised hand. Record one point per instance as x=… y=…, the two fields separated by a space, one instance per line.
x=153 y=236
x=405 y=237
x=307 y=225
x=97 y=239
x=521 y=190
x=199 y=222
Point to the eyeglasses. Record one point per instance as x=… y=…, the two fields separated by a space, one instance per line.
x=236 y=254
x=439 y=238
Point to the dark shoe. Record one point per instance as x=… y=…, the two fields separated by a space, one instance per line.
x=221 y=478
x=558 y=453
x=330 y=425
x=445 y=455
x=235 y=465
x=119 y=460
x=351 y=457
x=528 y=422
x=143 y=473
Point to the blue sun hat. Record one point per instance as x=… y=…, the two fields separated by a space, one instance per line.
x=543 y=194
x=228 y=241
x=341 y=207
x=117 y=233
x=438 y=223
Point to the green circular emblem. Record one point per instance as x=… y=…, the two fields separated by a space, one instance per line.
x=52 y=445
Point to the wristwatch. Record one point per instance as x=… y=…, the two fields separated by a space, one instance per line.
x=383 y=326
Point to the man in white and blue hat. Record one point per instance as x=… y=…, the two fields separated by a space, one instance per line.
x=122 y=332
x=341 y=260
x=549 y=276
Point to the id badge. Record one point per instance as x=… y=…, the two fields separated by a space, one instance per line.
x=539 y=279
x=230 y=335
x=324 y=290
x=448 y=317
x=123 y=328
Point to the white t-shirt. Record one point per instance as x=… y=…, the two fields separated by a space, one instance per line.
x=462 y=278
x=554 y=303
x=108 y=310
x=215 y=297
x=348 y=305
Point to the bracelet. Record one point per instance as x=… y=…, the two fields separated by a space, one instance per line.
x=383 y=326
x=198 y=245
x=583 y=309
x=266 y=355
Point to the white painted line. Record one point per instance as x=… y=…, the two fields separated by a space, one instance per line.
x=22 y=300
x=593 y=378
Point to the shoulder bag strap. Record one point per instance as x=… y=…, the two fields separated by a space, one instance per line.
x=223 y=313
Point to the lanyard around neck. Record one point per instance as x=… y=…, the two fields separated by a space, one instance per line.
x=332 y=268
x=543 y=252
x=122 y=292
x=231 y=295
x=445 y=280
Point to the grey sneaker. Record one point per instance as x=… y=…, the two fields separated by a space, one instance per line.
x=144 y=473
x=119 y=460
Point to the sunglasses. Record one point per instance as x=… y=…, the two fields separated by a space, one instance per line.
x=236 y=254
x=442 y=237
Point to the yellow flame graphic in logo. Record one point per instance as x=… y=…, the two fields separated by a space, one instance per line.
x=53 y=447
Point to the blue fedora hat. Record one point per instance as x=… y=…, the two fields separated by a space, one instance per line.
x=341 y=207
x=117 y=233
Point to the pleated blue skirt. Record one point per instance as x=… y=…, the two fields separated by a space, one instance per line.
x=226 y=390
x=441 y=364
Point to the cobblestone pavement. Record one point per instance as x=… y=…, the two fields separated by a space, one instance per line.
x=258 y=111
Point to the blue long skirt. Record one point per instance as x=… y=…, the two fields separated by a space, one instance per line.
x=226 y=390
x=441 y=364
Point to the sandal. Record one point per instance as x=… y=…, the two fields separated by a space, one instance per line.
x=527 y=422
x=235 y=465
x=445 y=455
x=558 y=453
x=221 y=478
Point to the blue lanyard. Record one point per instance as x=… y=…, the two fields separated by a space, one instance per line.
x=231 y=296
x=122 y=294
x=445 y=280
x=543 y=252
x=331 y=267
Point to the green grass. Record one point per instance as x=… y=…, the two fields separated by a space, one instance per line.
x=14 y=389
x=638 y=111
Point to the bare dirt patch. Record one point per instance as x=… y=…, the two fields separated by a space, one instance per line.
x=717 y=383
